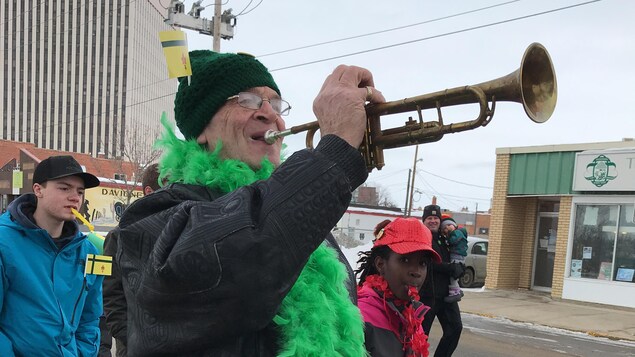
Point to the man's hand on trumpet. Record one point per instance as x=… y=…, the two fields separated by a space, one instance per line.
x=340 y=105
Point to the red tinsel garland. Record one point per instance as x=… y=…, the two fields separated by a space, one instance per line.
x=415 y=340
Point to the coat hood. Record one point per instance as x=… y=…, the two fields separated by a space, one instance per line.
x=21 y=211
x=20 y=218
x=22 y=208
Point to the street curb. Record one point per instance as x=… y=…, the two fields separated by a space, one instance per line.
x=608 y=336
x=587 y=332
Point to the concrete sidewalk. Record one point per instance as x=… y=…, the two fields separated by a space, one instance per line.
x=616 y=323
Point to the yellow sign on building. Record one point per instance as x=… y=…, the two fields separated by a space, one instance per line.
x=104 y=205
x=18 y=178
x=174 y=45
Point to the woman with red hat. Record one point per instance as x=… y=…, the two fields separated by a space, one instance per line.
x=390 y=276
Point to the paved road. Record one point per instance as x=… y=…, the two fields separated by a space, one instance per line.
x=496 y=337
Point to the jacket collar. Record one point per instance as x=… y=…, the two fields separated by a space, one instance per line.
x=20 y=218
x=165 y=198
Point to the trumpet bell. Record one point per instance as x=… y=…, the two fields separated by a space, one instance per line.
x=538 y=83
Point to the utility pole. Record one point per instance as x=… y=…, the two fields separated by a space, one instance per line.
x=405 y=210
x=217 y=9
x=475 y=217
x=221 y=26
x=412 y=185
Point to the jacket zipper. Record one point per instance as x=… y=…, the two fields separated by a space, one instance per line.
x=72 y=244
x=81 y=292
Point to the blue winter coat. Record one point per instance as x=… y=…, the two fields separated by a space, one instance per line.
x=47 y=306
x=457 y=241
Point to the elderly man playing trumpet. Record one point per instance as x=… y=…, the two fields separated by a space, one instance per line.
x=235 y=257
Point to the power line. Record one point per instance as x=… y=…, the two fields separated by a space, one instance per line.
x=241 y=11
x=375 y=49
x=214 y=3
x=462 y=197
x=149 y=84
x=387 y=30
x=438 y=194
x=250 y=10
x=433 y=192
x=443 y=196
x=129 y=90
x=423 y=39
x=102 y=113
x=435 y=36
x=381 y=177
x=459 y=182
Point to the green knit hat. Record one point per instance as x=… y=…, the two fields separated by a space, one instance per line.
x=215 y=77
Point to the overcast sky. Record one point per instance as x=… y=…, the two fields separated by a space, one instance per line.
x=592 y=47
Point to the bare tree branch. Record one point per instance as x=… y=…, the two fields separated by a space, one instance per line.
x=130 y=153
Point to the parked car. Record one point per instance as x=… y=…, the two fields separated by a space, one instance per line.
x=475 y=262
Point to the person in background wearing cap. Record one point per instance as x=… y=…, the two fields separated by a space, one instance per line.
x=48 y=305
x=457 y=244
x=115 y=307
x=435 y=290
x=228 y=259
x=390 y=276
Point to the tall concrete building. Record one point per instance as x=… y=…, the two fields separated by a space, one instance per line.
x=84 y=76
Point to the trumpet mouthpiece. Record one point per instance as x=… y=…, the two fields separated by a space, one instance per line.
x=271 y=136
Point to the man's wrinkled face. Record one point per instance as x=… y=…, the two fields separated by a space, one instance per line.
x=242 y=131
x=432 y=222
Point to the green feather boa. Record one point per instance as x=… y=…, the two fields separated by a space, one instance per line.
x=316 y=317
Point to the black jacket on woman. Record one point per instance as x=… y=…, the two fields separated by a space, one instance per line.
x=249 y=245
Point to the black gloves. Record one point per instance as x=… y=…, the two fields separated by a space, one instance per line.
x=457 y=270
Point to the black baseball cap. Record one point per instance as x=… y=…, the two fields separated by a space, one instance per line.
x=56 y=167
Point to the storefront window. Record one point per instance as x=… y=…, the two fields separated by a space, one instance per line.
x=603 y=245
x=625 y=245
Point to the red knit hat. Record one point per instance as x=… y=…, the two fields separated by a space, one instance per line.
x=406 y=235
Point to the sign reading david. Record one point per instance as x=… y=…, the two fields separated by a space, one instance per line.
x=605 y=170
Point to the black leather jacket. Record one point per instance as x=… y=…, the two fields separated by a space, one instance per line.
x=115 y=307
x=438 y=279
x=204 y=274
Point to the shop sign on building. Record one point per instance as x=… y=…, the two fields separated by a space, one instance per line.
x=104 y=205
x=605 y=170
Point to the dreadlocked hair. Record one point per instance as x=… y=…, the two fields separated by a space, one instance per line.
x=366 y=262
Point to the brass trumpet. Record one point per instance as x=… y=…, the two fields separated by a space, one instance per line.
x=533 y=85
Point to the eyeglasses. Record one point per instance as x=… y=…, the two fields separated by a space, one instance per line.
x=253 y=101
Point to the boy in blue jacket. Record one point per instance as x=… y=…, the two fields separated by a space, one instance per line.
x=48 y=305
